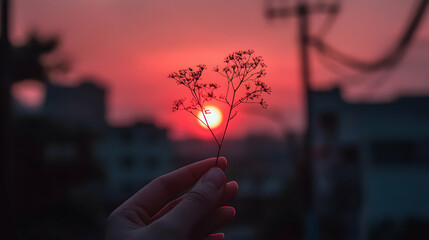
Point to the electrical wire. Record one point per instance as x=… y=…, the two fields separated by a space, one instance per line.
x=330 y=19
x=388 y=61
x=360 y=78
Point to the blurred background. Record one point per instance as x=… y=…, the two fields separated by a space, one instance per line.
x=341 y=153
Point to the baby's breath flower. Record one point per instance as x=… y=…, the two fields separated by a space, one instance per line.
x=240 y=69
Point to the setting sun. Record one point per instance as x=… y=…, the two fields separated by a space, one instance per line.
x=213 y=116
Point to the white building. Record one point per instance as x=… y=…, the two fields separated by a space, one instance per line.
x=371 y=160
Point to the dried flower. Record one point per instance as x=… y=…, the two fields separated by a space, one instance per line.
x=240 y=69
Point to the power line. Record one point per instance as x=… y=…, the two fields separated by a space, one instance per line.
x=387 y=61
x=334 y=65
x=352 y=78
x=329 y=20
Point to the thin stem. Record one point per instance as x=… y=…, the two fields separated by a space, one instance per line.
x=193 y=114
x=227 y=92
x=226 y=127
x=208 y=126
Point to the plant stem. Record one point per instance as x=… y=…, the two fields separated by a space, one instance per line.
x=226 y=127
x=208 y=126
x=223 y=136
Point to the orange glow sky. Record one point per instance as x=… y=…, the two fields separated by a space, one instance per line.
x=132 y=45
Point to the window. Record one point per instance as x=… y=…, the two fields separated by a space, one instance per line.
x=126 y=135
x=127 y=162
x=394 y=152
x=328 y=121
x=349 y=154
x=152 y=162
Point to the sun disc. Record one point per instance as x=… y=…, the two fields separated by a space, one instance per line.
x=213 y=116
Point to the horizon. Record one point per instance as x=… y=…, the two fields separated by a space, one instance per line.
x=132 y=46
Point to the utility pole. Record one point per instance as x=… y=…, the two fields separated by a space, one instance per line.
x=302 y=11
x=5 y=120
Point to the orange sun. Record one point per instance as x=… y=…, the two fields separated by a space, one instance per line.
x=213 y=116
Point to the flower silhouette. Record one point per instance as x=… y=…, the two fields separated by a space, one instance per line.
x=240 y=69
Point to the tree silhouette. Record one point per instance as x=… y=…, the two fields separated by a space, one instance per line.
x=17 y=63
x=27 y=59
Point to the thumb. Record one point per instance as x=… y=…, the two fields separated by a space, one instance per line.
x=198 y=202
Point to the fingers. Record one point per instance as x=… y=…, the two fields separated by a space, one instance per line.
x=217 y=236
x=157 y=193
x=229 y=194
x=217 y=219
x=197 y=203
x=231 y=190
x=167 y=208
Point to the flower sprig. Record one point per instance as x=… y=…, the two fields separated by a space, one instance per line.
x=242 y=71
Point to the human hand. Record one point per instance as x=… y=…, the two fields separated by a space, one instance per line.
x=150 y=215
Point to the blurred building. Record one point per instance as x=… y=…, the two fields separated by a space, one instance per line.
x=266 y=160
x=371 y=163
x=133 y=156
x=83 y=105
x=53 y=174
x=130 y=156
x=263 y=168
x=65 y=153
x=268 y=167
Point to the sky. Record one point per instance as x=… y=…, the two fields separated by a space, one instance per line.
x=130 y=47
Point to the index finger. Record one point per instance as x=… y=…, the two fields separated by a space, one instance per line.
x=159 y=192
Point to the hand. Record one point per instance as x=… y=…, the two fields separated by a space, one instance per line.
x=150 y=215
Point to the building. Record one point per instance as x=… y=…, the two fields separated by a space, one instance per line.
x=52 y=174
x=371 y=162
x=132 y=157
x=263 y=168
x=71 y=168
x=82 y=105
x=261 y=164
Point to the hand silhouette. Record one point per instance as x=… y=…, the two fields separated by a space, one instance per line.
x=150 y=215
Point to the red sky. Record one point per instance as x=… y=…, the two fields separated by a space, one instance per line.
x=132 y=45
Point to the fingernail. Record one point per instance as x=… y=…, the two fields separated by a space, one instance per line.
x=214 y=177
